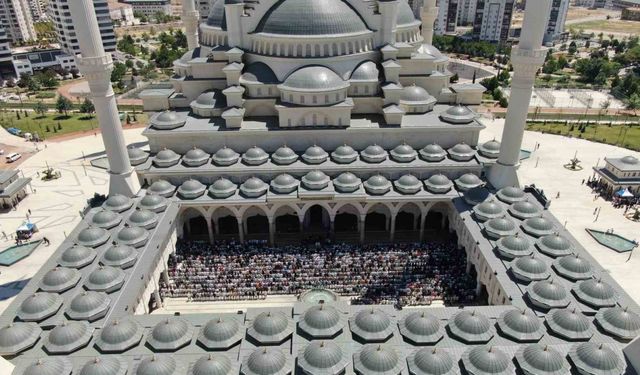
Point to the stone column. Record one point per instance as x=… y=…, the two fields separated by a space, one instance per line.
x=332 y=227
x=240 y=229
x=392 y=230
x=210 y=231
x=423 y=216
x=156 y=296
x=233 y=11
x=361 y=227
x=272 y=230
x=478 y=285
x=96 y=65
x=428 y=13
x=389 y=13
x=190 y=20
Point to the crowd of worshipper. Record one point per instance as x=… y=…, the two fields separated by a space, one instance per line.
x=400 y=274
x=608 y=193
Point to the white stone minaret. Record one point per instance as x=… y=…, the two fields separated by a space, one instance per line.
x=526 y=59
x=96 y=65
x=428 y=13
x=190 y=19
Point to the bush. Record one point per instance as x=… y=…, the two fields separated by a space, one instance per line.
x=45 y=95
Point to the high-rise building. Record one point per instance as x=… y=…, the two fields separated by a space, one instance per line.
x=15 y=18
x=447 y=16
x=38 y=9
x=151 y=7
x=493 y=20
x=557 y=19
x=60 y=14
x=466 y=12
x=6 y=63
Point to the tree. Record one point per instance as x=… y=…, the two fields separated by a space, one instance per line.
x=40 y=108
x=454 y=78
x=633 y=103
x=26 y=81
x=87 y=107
x=47 y=79
x=119 y=70
x=63 y=105
x=573 y=48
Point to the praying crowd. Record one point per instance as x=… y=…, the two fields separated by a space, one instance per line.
x=400 y=274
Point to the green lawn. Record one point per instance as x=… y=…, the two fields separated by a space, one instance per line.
x=624 y=136
x=609 y=26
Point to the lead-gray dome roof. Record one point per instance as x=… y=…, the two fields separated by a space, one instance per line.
x=222 y=188
x=217 y=17
x=365 y=72
x=225 y=156
x=619 y=322
x=265 y=361
x=573 y=267
x=136 y=155
x=88 y=305
x=259 y=72
x=49 y=366
x=468 y=181
x=311 y=18
x=595 y=358
x=346 y=182
x=209 y=99
x=133 y=236
x=77 y=256
x=195 y=157
x=403 y=153
x=119 y=335
x=344 y=154
x=168 y=120
x=93 y=237
x=322 y=357
x=570 y=324
x=514 y=246
x=315 y=180
x=548 y=294
x=471 y=327
x=415 y=94
x=483 y=360
x=68 y=337
x=524 y=210
x=284 y=156
x=377 y=185
x=371 y=325
x=630 y=160
x=166 y=158
x=271 y=327
x=373 y=154
x=521 y=325
x=433 y=153
x=555 y=245
x=421 y=328
x=191 y=189
x=490 y=149
x=530 y=268
x=153 y=202
x=488 y=210
x=170 y=334
x=220 y=333
x=500 y=227
x=511 y=194
x=595 y=292
x=405 y=14
x=461 y=152
x=159 y=364
x=255 y=156
x=105 y=279
x=253 y=187
x=377 y=359
x=284 y=183
x=542 y=360
x=315 y=155
x=16 y=337
x=538 y=226
x=162 y=187
x=438 y=184
x=458 y=115
x=59 y=279
x=106 y=219
x=212 y=364
x=431 y=361
x=39 y=306
x=321 y=321
x=104 y=365
x=408 y=184
x=313 y=78
x=143 y=218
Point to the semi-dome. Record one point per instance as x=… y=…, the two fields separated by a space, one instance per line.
x=49 y=366
x=555 y=245
x=530 y=268
x=266 y=361
x=597 y=358
x=170 y=334
x=548 y=294
x=253 y=187
x=438 y=184
x=322 y=357
x=284 y=184
x=377 y=359
x=433 y=153
x=105 y=279
x=159 y=364
x=468 y=181
x=191 y=189
x=347 y=182
x=415 y=94
x=408 y=184
x=93 y=237
x=104 y=365
x=511 y=194
x=488 y=210
x=133 y=236
x=377 y=185
x=421 y=328
x=631 y=160
x=143 y=218
x=458 y=114
x=212 y=364
x=500 y=227
x=403 y=153
x=573 y=267
x=136 y=155
x=195 y=158
x=521 y=325
x=225 y=157
x=483 y=360
x=471 y=327
x=365 y=72
x=477 y=196
x=315 y=180
x=255 y=156
x=313 y=78
x=119 y=335
x=344 y=154
x=461 y=152
x=258 y=72
x=284 y=156
x=315 y=155
x=514 y=246
x=539 y=359
x=88 y=305
x=77 y=257
x=220 y=333
x=595 y=292
x=222 y=188
x=167 y=120
x=371 y=325
x=321 y=321
x=68 y=337
x=153 y=202
x=373 y=154
x=166 y=158
x=538 y=226
x=490 y=149
x=59 y=279
x=39 y=306
x=161 y=187
x=271 y=327
x=106 y=219
x=524 y=210
x=207 y=101
x=570 y=324
x=619 y=322
x=17 y=337
x=431 y=361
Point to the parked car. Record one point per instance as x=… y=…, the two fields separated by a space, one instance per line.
x=12 y=157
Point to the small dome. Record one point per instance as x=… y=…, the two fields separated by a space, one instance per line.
x=471 y=327
x=315 y=155
x=162 y=188
x=468 y=181
x=321 y=321
x=367 y=71
x=315 y=180
x=524 y=210
x=170 y=334
x=530 y=269
x=344 y=155
x=259 y=72
x=212 y=364
x=461 y=152
x=322 y=357
x=93 y=237
x=136 y=156
x=271 y=327
x=458 y=115
x=195 y=158
x=374 y=154
x=106 y=219
x=68 y=337
x=619 y=322
x=538 y=226
x=222 y=188
x=371 y=325
x=521 y=325
x=421 y=328
x=220 y=333
x=431 y=361
x=403 y=153
x=514 y=246
x=105 y=279
x=542 y=360
x=168 y=120
x=377 y=359
x=555 y=245
x=377 y=185
x=253 y=187
x=483 y=360
x=191 y=189
x=490 y=149
x=573 y=267
x=284 y=184
x=632 y=160
x=225 y=156
x=39 y=306
x=88 y=306
x=488 y=210
x=477 y=196
x=595 y=293
x=433 y=153
x=415 y=94
x=548 y=294
x=313 y=78
x=155 y=203
x=157 y=365
x=133 y=236
x=17 y=337
x=255 y=156
x=143 y=218
x=500 y=227
x=570 y=324
x=266 y=361
x=118 y=336
x=77 y=257
x=438 y=184
x=105 y=365
x=206 y=100
x=49 y=366
x=166 y=158
x=284 y=156
x=408 y=184
x=594 y=358
x=59 y=279
x=347 y=182
x=511 y=194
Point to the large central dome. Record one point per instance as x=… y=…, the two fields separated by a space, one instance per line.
x=311 y=17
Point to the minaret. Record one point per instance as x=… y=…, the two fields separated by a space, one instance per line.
x=96 y=65
x=190 y=19
x=526 y=59
x=388 y=11
x=428 y=13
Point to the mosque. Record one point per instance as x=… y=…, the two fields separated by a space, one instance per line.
x=323 y=118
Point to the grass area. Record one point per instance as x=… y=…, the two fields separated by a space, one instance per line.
x=627 y=136
x=573 y=116
x=611 y=26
